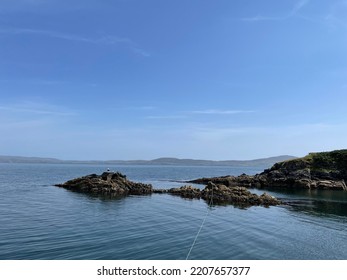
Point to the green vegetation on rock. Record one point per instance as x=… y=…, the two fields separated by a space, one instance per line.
x=324 y=170
x=333 y=162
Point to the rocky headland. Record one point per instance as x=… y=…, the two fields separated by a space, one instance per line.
x=325 y=170
x=116 y=184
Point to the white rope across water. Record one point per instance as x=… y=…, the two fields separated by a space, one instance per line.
x=202 y=224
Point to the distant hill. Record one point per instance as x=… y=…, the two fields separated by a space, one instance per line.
x=197 y=162
x=16 y=159
x=159 y=161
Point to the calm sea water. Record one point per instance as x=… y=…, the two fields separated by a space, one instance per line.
x=40 y=221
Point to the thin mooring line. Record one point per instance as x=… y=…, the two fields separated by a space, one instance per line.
x=201 y=226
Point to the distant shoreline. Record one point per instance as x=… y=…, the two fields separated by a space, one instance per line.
x=160 y=161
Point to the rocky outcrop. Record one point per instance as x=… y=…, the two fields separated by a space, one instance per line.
x=186 y=192
x=117 y=185
x=113 y=183
x=229 y=181
x=237 y=195
x=221 y=194
x=327 y=170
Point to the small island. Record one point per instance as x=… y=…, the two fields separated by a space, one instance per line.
x=113 y=183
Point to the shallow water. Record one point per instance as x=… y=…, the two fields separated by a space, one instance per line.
x=40 y=221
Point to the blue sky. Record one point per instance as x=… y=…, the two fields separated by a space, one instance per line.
x=203 y=79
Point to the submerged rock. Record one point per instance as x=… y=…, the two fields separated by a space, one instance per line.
x=113 y=183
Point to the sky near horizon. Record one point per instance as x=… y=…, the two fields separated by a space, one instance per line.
x=202 y=79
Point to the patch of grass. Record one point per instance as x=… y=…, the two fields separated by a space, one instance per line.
x=328 y=161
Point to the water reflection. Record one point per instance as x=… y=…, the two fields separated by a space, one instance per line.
x=318 y=207
x=314 y=202
x=311 y=202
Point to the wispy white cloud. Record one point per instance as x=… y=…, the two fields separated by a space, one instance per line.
x=334 y=16
x=337 y=15
x=168 y=117
x=53 y=34
x=140 y=52
x=221 y=112
x=34 y=2
x=190 y=114
x=295 y=139
x=35 y=109
x=34 y=81
x=141 y=108
x=293 y=12
x=264 y=18
x=46 y=82
x=103 y=40
x=298 y=6
x=13 y=125
x=145 y=107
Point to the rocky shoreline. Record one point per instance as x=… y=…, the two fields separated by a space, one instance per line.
x=116 y=184
x=326 y=170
